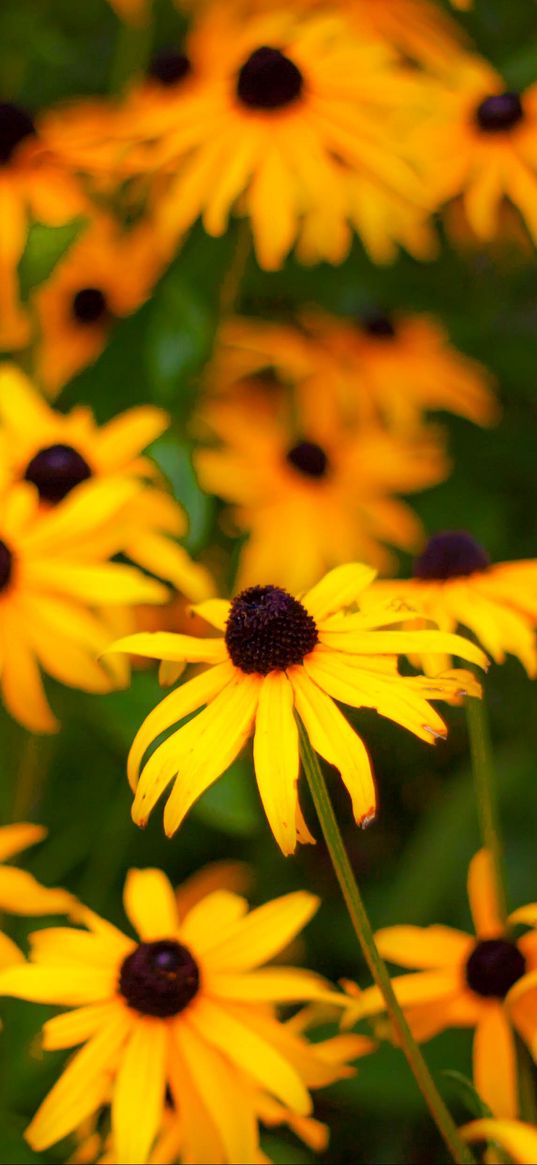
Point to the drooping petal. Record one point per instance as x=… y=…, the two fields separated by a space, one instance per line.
x=482 y=896
x=276 y=758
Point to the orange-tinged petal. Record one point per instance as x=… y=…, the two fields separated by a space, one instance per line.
x=519 y=1140
x=525 y=914
x=427 y=946
x=14 y=838
x=482 y=896
x=494 y=1056
x=9 y=952
x=276 y=758
x=411 y=990
x=150 y=904
x=139 y=1091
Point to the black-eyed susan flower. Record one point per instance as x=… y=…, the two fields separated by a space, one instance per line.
x=278 y=658
x=480 y=144
x=20 y=893
x=59 y=452
x=466 y=981
x=457 y=586
x=106 y=275
x=57 y=592
x=190 y=1005
x=285 y=102
x=314 y=483
x=417 y=28
x=516 y=1138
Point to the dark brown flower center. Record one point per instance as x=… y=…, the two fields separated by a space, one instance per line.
x=268 y=630
x=499 y=113
x=55 y=471
x=452 y=554
x=495 y=964
x=169 y=67
x=269 y=80
x=309 y=459
x=159 y=978
x=6 y=566
x=89 y=305
x=378 y=325
x=15 y=125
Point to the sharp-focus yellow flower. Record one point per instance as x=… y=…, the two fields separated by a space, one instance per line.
x=189 y=1005
x=285 y=107
x=456 y=585
x=517 y=1139
x=466 y=982
x=279 y=658
x=105 y=275
x=55 y=582
x=59 y=452
x=481 y=143
x=20 y=893
x=315 y=484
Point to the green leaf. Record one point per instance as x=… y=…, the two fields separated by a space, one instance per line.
x=45 y=246
x=231 y=804
x=179 y=339
x=468 y=1094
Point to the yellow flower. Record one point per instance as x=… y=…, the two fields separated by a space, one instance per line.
x=279 y=658
x=20 y=893
x=313 y=483
x=417 y=28
x=55 y=581
x=188 y=1005
x=516 y=1138
x=283 y=107
x=466 y=982
x=479 y=143
x=106 y=275
x=456 y=585
x=58 y=452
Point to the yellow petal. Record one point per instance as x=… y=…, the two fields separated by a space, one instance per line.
x=167 y=645
x=424 y=946
x=58 y=984
x=261 y=934
x=482 y=895
x=338 y=589
x=214 y=611
x=150 y=904
x=139 y=1091
x=75 y=1027
x=211 y=919
x=276 y=758
x=494 y=1057
x=9 y=952
x=405 y=643
x=14 y=838
x=518 y=1139
x=276 y=985
x=527 y=915
x=20 y=893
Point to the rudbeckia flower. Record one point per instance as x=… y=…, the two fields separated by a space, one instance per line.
x=456 y=585
x=479 y=144
x=20 y=893
x=280 y=657
x=107 y=274
x=190 y=1005
x=417 y=28
x=55 y=582
x=466 y=982
x=517 y=1139
x=59 y=452
x=313 y=483
x=283 y=104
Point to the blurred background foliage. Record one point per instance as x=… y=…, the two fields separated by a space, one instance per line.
x=412 y=862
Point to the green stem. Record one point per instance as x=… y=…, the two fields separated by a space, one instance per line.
x=485 y=791
x=362 y=928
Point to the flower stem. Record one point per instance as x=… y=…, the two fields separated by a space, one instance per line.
x=364 y=933
x=485 y=790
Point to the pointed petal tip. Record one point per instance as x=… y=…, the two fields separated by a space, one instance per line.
x=367 y=818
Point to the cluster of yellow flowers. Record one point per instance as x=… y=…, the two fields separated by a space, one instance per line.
x=313 y=122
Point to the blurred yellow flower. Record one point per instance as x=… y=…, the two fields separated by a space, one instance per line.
x=457 y=586
x=516 y=1138
x=58 y=452
x=107 y=274
x=280 y=658
x=312 y=483
x=56 y=588
x=466 y=982
x=20 y=892
x=480 y=143
x=188 y=1005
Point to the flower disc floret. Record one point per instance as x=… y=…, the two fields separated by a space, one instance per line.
x=169 y=67
x=6 y=566
x=269 y=80
x=15 y=125
x=159 y=978
x=268 y=630
x=55 y=471
x=494 y=966
x=451 y=554
x=309 y=459
x=89 y=305
x=499 y=113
